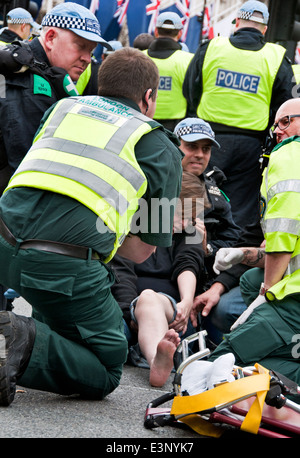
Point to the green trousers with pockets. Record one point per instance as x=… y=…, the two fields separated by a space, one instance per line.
x=80 y=346
x=271 y=334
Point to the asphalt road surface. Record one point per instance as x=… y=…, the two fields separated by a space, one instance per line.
x=38 y=414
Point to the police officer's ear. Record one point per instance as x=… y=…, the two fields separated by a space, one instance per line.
x=179 y=35
x=49 y=37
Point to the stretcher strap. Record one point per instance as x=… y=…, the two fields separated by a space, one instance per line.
x=202 y=427
x=229 y=393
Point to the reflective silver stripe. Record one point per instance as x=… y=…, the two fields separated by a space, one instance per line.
x=59 y=116
x=107 y=158
x=88 y=179
x=117 y=142
x=290 y=226
x=284 y=186
x=294 y=265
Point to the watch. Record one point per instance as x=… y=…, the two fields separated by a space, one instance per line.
x=209 y=250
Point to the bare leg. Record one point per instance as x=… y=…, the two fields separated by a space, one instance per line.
x=157 y=343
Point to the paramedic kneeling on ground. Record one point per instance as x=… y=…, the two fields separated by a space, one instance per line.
x=270 y=335
x=74 y=196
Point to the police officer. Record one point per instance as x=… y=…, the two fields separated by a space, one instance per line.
x=196 y=142
x=53 y=60
x=172 y=63
x=237 y=84
x=273 y=293
x=19 y=25
x=66 y=211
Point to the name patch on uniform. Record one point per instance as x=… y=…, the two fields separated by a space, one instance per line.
x=165 y=83
x=41 y=86
x=238 y=81
x=92 y=113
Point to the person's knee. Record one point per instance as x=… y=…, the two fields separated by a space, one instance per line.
x=147 y=298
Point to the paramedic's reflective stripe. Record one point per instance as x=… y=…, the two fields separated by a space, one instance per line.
x=239 y=81
x=88 y=179
x=90 y=152
x=290 y=226
x=165 y=83
x=283 y=186
x=294 y=265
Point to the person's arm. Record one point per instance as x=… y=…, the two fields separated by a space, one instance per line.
x=249 y=256
x=135 y=249
x=186 y=282
x=192 y=85
x=275 y=267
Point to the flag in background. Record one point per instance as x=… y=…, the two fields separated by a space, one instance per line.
x=141 y=17
x=207 y=29
x=94 y=6
x=120 y=14
x=184 y=7
x=153 y=10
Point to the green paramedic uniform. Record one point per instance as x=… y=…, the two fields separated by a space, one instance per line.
x=80 y=346
x=271 y=335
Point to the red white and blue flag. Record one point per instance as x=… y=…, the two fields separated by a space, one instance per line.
x=122 y=6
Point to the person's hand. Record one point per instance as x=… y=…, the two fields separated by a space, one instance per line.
x=245 y=315
x=226 y=258
x=182 y=316
x=203 y=304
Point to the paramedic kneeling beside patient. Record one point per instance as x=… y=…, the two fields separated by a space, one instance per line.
x=64 y=215
x=268 y=332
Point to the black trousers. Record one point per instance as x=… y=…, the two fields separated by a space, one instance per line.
x=238 y=158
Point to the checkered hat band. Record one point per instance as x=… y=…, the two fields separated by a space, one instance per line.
x=194 y=129
x=19 y=21
x=247 y=16
x=67 y=22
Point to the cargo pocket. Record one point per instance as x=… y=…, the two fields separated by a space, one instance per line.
x=257 y=339
x=61 y=284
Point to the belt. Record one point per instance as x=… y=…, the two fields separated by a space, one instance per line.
x=66 y=249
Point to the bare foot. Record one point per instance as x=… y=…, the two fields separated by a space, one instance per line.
x=162 y=363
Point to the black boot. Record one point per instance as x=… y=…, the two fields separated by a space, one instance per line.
x=17 y=334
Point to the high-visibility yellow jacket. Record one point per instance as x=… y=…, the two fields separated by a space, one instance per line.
x=237 y=84
x=171 y=104
x=280 y=194
x=85 y=150
x=84 y=79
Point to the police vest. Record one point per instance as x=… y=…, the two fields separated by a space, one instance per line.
x=85 y=150
x=280 y=195
x=84 y=79
x=234 y=97
x=296 y=71
x=171 y=104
